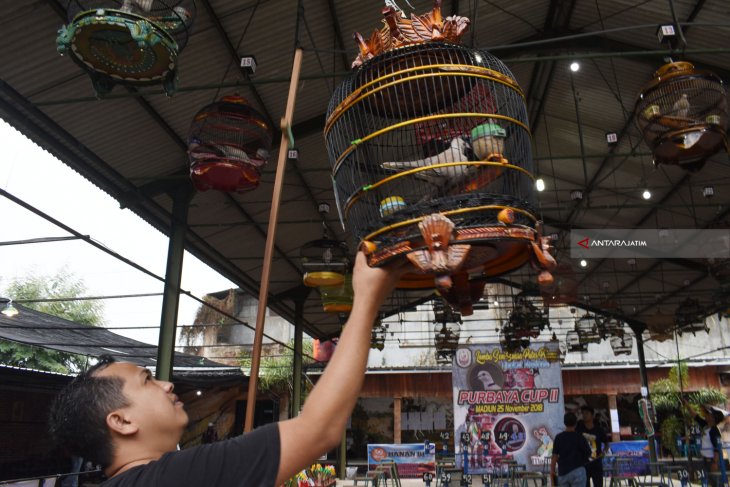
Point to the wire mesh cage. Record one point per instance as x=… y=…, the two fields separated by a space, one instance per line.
x=430 y=151
x=325 y=262
x=228 y=146
x=682 y=113
x=621 y=344
x=133 y=42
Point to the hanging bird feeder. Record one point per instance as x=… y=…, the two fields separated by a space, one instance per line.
x=325 y=262
x=338 y=299
x=682 y=113
x=228 y=146
x=129 y=42
x=431 y=156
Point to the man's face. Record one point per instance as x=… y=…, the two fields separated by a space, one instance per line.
x=153 y=407
x=587 y=415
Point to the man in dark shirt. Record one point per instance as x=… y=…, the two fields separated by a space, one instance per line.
x=596 y=437
x=570 y=453
x=121 y=417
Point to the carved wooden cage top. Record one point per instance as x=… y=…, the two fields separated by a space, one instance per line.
x=429 y=128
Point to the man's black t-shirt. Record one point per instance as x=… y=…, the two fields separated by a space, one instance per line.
x=248 y=460
x=572 y=450
x=596 y=438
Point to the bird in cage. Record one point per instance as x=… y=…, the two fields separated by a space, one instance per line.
x=458 y=151
x=681 y=106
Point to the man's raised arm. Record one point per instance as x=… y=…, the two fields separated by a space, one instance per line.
x=323 y=419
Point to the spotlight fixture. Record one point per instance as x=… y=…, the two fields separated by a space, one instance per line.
x=574 y=66
x=646 y=194
x=540 y=184
x=583 y=263
x=9 y=310
x=708 y=191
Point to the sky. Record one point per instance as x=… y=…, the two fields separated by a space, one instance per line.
x=33 y=175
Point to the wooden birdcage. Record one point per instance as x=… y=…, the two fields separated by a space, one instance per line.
x=130 y=42
x=228 y=146
x=682 y=113
x=431 y=155
x=621 y=345
x=574 y=342
x=377 y=337
x=526 y=319
x=325 y=262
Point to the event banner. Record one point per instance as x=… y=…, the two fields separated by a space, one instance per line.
x=627 y=459
x=507 y=405
x=411 y=459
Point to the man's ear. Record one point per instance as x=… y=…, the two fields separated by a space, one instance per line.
x=119 y=423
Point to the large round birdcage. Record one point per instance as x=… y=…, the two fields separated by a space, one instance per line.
x=228 y=145
x=435 y=129
x=133 y=42
x=682 y=113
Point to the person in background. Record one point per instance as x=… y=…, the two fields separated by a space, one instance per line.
x=570 y=454
x=117 y=414
x=711 y=445
x=596 y=437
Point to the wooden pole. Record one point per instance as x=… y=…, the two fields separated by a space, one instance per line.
x=286 y=122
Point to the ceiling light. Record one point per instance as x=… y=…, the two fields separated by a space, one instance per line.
x=540 y=184
x=198 y=392
x=583 y=263
x=9 y=309
x=708 y=191
x=574 y=66
x=646 y=194
x=496 y=303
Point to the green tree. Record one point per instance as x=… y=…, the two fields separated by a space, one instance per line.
x=667 y=394
x=58 y=286
x=276 y=372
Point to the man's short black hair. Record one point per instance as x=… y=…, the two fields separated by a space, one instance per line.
x=717 y=416
x=77 y=420
x=570 y=420
x=588 y=409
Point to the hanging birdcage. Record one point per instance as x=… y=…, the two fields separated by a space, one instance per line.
x=609 y=326
x=446 y=331
x=526 y=319
x=446 y=339
x=228 y=146
x=660 y=326
x=587 y=328
x=377 y=336
x=325 y=262
x=690 y=317
x=130 y=42
x=512 y=339
x=430 y=148
x=338 y=299
x=682 y=113
x=621 y=344
x=574 y=342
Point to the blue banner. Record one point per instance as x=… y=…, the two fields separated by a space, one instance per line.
x=627 y=459
x=411 y=459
